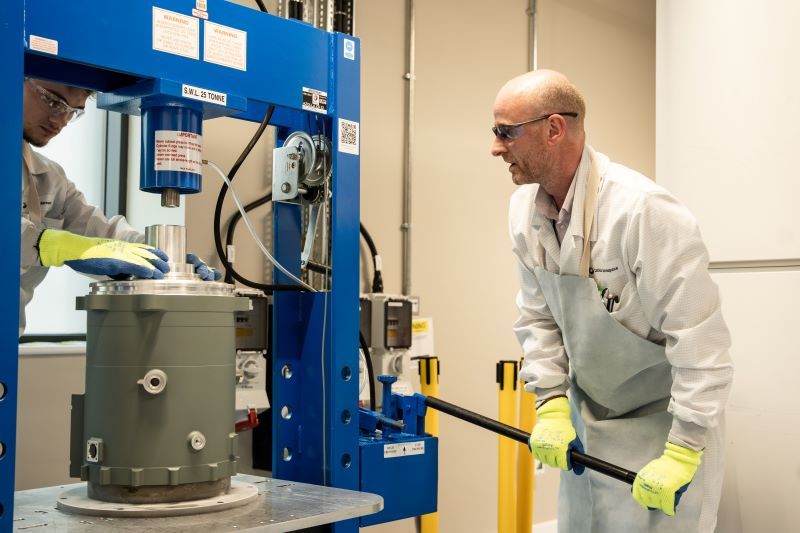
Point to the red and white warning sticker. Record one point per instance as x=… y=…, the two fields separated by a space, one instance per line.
x=179 y=151
x=43 y=44
x=176 y=33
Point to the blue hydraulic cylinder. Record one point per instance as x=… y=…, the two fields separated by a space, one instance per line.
x=172 y=148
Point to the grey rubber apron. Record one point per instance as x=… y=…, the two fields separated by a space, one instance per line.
x=619 y=396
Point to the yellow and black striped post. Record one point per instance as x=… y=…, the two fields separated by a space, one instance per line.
x=429 y=385
x=506 y=464
x=525 y=464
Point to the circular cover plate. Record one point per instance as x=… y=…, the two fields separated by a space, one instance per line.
x=168 y=286
x=76 y=501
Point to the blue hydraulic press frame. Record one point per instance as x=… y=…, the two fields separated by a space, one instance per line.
x=107 y=45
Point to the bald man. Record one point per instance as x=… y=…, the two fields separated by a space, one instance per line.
x=624 y=342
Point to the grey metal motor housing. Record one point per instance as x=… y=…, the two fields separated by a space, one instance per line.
x=156 y=423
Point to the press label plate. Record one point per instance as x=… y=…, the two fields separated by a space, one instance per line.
x=205 y=95
x=403 y=449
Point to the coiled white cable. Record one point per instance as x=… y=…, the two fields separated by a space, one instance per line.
x=252 y=231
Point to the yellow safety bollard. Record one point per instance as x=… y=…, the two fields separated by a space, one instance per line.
x=525 y=464
x=429 y=383
x=506 y=464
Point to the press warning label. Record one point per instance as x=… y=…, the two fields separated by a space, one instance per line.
x=178 y=151
x=314 y=100
x=175 y=33
x=225 y=46
x=43 y=44
x=403 y=449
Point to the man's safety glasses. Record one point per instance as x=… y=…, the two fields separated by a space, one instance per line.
x=509 y=132
x=56 y=104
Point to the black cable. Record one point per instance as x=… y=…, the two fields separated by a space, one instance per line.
x=319 y=268
x=261 y=6
x=370 y=371
x=377 y=278
x=223 y=257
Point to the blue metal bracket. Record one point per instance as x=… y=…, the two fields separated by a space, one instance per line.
x=11 y=50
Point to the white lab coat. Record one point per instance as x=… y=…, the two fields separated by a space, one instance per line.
x=62 y=206
x=646 y=248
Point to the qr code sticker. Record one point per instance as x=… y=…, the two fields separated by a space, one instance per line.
x=348 y=136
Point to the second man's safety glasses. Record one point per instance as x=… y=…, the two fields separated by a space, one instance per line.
x=509 y=132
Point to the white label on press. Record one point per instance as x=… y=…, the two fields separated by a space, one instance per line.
x=349 y=49
x=42 y=44
x=402 y=449
x=225 y=46
x=199 y=13
x=175 y=33
x=202 y=5
x=180 y=151
x=348 y=136
x=314 y=100
x=198 y=93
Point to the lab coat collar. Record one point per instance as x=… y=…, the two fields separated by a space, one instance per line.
x=582 y=176
x=539 y=220
x=567 y=253
x=32 y=160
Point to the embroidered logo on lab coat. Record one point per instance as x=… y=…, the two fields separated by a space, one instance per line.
x=592 y=270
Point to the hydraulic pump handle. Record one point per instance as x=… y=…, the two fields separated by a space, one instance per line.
x=518 y=435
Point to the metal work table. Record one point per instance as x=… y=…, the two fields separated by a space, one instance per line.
x=280 y=506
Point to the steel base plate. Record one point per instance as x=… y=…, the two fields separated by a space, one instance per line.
x=77 y=501
x=280 y=506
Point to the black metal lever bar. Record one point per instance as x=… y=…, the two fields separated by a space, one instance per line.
x=518 y=435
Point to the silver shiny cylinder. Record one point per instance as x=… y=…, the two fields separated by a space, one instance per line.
x=170 y=198
x=171 y=239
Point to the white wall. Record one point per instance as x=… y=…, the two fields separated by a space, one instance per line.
x=48 y=377
x=727 y=110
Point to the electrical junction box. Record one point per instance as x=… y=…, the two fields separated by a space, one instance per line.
x=404 y=471
x=252 y=343
x=252 y=327
x=386 y=323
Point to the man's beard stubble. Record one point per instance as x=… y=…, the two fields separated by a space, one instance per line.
x=31 y=141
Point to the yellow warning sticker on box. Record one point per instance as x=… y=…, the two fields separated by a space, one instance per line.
x=421 y=326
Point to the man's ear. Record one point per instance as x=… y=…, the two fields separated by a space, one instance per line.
x=557 y=129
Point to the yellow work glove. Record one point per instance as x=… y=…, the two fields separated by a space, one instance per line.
x=662 y=482
x=554 y=436
x=105 y=257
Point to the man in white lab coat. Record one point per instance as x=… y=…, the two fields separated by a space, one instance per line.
x=58 y=226
x=617 y=312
